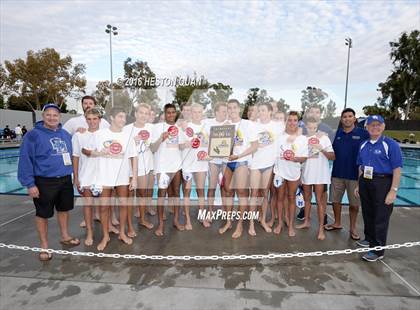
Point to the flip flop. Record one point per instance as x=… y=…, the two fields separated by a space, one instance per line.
x=331 y=228
x=44 y=258
x=70 y=242
x=354 y=236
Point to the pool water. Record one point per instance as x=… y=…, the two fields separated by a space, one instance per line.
x=408 y=193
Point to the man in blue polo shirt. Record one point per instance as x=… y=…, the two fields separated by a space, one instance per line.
x=380 y=163
x=45 y=169
x=345 y=171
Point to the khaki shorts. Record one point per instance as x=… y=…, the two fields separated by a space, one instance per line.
x=339 y=186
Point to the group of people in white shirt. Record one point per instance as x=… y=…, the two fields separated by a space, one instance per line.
x=270 y=158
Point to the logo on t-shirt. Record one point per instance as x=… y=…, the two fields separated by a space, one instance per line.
x=189 y=132
x=195 y=143
x=59 y=146
x=313 y=140
x=144 y=135
x=115 y=148
x=288 y=154
x=239 y=138
x=201 y=155
x=265 y=138
x=173 y=130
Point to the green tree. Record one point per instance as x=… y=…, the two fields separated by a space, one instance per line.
x=219 y=92
x=44 y=76
x=329 y=112
x=282 y=105
x=102 y=93
x=401 y=90
x=140 y=83
x=190 y=91
x=312 y=96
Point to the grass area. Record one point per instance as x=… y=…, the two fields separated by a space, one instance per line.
x=402 y=134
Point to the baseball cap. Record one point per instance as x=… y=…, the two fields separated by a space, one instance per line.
x=373 y=118
x=50 y=105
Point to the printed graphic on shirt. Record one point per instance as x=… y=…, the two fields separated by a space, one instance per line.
x=239 y=138
x=59 y=146
x=114 y=147
x=173 y=138
x=313 y=152
x=142 y=140
x=288 y=153
x=265 y=138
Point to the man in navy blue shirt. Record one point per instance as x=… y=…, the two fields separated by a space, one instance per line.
x=45 y=168
x=380 y=163
x=345 y=171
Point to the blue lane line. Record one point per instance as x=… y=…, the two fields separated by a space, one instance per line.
x=411 y=203
x=9 y=172
x=14 y=190
x=410 y=177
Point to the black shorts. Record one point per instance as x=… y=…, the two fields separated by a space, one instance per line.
x=53 y=192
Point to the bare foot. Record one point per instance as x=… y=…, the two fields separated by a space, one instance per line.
x=125 y=239
x=113 y=230
x=88 y=241
x=206 y=223
x=146 y=224
x=180 y=227
x=277 y=229
x=115 y=222
x=291 y=232
x=237 y=233
x=131 y=233
x=270 y=223
x=188 y=226
x=223 y=229
x=303 y=225
x=251 y=231
x=102 y=245
x=266 y=227
x=321 y=235
x=82 y=224
x=151 y=211
x=159 y=231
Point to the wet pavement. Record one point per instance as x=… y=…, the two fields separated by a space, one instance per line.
x=336 y=282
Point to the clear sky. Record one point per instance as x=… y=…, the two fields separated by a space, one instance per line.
x=281 y=46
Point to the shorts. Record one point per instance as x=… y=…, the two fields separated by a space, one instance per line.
x=53 y=192
x=339 y=186
x=235 y=164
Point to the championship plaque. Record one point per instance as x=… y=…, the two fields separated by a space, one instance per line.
x=221 y=141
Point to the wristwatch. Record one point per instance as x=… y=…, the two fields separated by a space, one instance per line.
x=395 y=189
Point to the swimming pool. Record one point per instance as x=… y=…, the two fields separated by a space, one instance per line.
x=408 y=194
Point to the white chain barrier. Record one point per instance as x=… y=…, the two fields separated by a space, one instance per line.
x=212 y=257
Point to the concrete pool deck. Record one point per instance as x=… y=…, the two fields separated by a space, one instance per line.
x=335 y=282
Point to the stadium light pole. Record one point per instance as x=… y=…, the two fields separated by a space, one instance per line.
x=349 y=44
x=111 y=30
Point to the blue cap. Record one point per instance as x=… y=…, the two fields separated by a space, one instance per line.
x=375 y=118
x=50 y=105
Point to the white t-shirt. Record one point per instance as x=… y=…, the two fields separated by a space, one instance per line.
x=88 y=166
x=142 y=138
x=167 y=159
x=193 y=159
x=210 y=122
x=80 y=122
x=316 y=169
x=18 y=130
x=114 y=169
x=268 y=135
x=288 y=169
x=245 y=133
